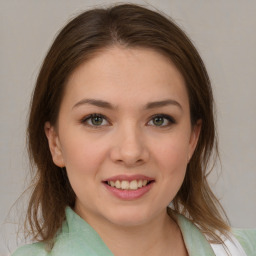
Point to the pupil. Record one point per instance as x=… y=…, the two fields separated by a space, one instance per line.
x=97 y=120
x=158 y=120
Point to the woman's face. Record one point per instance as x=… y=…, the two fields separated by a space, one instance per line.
x=124 y=135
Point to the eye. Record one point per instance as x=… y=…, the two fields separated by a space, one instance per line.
x=95 y=120
x=161 y=120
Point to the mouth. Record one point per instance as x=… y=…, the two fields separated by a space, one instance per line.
x=126 y=187
x=128 y=184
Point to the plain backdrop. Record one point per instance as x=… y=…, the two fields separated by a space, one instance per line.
x=224 y=33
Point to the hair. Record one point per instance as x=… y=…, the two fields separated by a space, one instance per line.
x=129 y=26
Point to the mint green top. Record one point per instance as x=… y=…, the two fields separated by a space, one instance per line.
x=78 y=238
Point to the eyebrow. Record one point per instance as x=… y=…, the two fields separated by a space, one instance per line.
x=95 y=102
x=105 y=104
x=163 y=103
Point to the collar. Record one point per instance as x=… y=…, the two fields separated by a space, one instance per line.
x=195 y=241
x=76 y=230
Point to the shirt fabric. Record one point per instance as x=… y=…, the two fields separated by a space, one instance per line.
x=78 y=238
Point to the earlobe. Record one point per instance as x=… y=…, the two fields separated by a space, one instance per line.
x=54 y=144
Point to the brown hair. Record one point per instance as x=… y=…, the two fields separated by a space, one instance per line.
x=83 y=37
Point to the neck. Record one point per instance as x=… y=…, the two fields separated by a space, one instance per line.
x=159 y=236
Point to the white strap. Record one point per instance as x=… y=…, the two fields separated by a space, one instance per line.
x=234 y=247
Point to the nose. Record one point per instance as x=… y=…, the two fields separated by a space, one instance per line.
x=129 y=147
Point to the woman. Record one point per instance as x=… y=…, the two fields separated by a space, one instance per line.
x=122 y=125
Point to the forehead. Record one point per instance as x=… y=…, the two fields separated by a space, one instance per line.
x=121 y=74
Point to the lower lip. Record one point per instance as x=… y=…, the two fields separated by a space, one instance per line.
x=129 y=194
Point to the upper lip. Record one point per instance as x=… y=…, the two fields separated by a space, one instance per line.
x=129 y=178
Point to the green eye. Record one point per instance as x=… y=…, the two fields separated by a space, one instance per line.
x=161 y=120
x=96 y=120
x=158 y=121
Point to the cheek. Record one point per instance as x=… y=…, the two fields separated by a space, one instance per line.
x=81 y=155
x=173 y=152
x=171 y=158
x=83 y=160
x=173 y=163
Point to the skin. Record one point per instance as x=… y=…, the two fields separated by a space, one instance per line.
x=128 y=142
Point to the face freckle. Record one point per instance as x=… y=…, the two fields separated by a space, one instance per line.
x=125 y=117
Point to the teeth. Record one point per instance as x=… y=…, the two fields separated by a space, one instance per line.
x=128 y=185
x=134 y=185
x=125 y=184
x=117 y=184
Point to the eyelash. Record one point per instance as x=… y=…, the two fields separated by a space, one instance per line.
x=89 y=117
x=169 y=119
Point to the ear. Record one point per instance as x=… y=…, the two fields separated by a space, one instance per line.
x=194 y=138
x=54 y=144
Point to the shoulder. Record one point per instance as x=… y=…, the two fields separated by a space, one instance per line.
x=37 y=249
x=241 y=242
x=247 y=239
x=76 y=237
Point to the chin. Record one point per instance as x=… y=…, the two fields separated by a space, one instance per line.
x=130 y=217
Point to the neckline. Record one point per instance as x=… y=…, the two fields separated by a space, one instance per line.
x=195 y=241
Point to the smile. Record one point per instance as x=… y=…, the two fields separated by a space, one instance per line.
x=128 y=185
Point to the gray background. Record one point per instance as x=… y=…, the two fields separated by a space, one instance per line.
x=225 y=35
